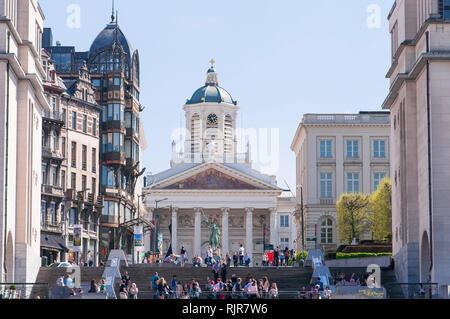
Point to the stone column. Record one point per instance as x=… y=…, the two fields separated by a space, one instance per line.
x=225 y=239
x=174 y=230
x=198 y=232
x=274 y=227
x=249 y=234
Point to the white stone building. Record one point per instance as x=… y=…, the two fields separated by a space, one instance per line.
x=210 y=178
x=21 y=103
x=336 y=154
x=419 y=100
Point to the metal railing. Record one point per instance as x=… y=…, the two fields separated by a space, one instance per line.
x=412 y=290
x=23 y=290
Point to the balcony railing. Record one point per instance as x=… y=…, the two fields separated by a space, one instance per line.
x=53 y=116
x=346 y=118
x=326 y=201
x=52 y=228
x=49 y=153
x=52 y=191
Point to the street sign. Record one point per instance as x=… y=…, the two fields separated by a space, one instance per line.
x=311 y=239
x=268 y=247
x=77 y=231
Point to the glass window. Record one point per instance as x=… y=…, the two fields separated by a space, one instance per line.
x=128 y=119
x=284 y=243
x=326 y=185
x=74 y=120
x=108 y=178
x=326 y=149
x=446 y=9
x=379 y=149
x=72 y=216
x=43 y=213
x=377 y=178
x=94 y=127
x=353 y=149
x=52 y=211
x=326 y=231
x=353 y=182
x=84 y=123
x=127 y=149
x=96 y=82
x=284 y=221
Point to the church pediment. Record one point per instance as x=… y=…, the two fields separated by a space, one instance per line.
x=212 y=179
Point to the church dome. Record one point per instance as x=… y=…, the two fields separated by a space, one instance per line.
x=106 y=39
x=211 y=92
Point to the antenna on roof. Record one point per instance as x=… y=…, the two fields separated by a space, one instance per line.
x=112 y=13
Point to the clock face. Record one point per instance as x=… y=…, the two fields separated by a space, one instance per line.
x=213 y=119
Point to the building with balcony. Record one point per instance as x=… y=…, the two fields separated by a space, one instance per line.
x=21 y=104
x=336 y=154
x=113 y=67
x=53 y=245
x=419 y=102
x=70 y=166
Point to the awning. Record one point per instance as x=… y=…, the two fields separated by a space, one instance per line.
x=53 y=242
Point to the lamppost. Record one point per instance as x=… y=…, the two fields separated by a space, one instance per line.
x=156 y=223
x=80 y=198
x=138 y=224
x=302 y=218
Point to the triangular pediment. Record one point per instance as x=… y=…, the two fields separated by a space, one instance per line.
x=213 y=177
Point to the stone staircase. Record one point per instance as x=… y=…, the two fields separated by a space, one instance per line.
x=288 y=279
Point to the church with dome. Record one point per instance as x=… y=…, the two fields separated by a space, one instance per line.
x=210 y=183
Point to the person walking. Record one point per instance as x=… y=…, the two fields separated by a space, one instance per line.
x=228 y=260
x=174 y=284
x=183 y=256
x=241 y=255
x=237 y=289
x=273 y=293
x=265 y=287
x=93 y=288
x=155 y=280
x=276 y=257
x=133 y=292
x=235 y=259
x=223 y=271
x=123 y=291
x=163 y=289
x=215 y=270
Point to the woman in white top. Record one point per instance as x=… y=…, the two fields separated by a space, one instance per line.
x=252 y=291
x=132 y=294
x=273 y=293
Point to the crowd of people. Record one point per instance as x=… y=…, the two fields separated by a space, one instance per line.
x=315 y=291
x=67 y=281
x=219 y=288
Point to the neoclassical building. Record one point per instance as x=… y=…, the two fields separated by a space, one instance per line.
x=211 y=179
x=336 y=154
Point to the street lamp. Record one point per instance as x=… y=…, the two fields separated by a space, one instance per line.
x=156 y=223
x=302 y=217
x=80 y=198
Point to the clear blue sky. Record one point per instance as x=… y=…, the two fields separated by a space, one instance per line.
x=278 y=58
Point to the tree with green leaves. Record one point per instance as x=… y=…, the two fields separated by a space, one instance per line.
x=353 y=216
x=382 y=211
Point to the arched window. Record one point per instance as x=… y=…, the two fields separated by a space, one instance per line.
x=195 y=134
x=326 y=231
x=228 y=134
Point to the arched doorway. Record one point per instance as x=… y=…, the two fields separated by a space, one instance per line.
x=425 y=261
x=9 y=259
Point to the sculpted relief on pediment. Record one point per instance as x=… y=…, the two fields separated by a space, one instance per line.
x=211 y=179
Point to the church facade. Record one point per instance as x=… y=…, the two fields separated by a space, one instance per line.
x=211 y=183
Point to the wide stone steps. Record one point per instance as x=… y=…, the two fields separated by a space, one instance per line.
x=288 y=279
